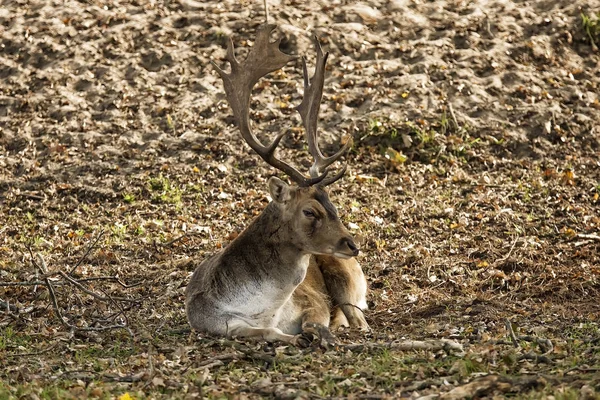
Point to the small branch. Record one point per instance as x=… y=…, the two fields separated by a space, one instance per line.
x=35 y=353
x=538 y=358
x=218 y=360
x=407 y=345
x=93 y=294
x=90 y=248
x=126 y=378
x=5 y=305
x=171 y=242
x=111 y=278
x=501 y=260
x=30 y=283
x=511 y=333
x=457 y=126
x=545 y=344
x=43 y=269
x=590 y=236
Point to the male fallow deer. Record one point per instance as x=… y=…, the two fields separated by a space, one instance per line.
x=281 y=278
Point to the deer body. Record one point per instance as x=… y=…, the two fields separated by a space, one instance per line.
x=268 y=282
x=293 y=267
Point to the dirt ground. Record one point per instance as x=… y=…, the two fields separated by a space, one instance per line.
x=473 y=186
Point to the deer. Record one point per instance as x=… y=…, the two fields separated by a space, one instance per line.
x=291 y=275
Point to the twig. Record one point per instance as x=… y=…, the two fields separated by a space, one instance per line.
x=545 y=344
x=89 y=249
x=93 y=294
x=488 y=27
x=511 y=333
x=35 y=353
x=31 y=283
x=169 y=243
x=126 y=378
x=588 y=236
x=121 y=309
x=43 y=268
x=95 y=278
x=407 y=345
x=111 y=278
x=501 y=260
x=5 y=305
x=453 y=116
x=538 y=358
x=218 y=360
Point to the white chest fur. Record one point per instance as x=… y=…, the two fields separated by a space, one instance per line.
x=262 y=303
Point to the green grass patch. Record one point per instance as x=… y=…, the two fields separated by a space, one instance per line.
x=591 y=26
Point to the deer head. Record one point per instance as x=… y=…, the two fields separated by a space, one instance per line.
x=312 y=220
x=306 y=208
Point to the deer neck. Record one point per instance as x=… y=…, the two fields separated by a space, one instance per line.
x=271 y=243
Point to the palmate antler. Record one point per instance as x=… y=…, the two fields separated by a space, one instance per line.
x=265 y=57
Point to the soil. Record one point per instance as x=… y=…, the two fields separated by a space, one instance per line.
x=473 y=186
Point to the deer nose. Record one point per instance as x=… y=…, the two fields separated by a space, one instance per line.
x=351 y=245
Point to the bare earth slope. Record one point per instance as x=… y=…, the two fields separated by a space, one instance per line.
x=474 y=183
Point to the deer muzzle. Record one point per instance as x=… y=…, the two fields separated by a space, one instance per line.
x=346 y=248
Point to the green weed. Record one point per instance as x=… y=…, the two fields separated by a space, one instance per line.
x=164 y=190
x=591 y=26
x=128 y=198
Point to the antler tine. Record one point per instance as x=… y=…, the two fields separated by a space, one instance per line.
x=309 y=112
x=265 y=57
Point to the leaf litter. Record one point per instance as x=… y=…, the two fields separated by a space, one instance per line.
x=473 y=182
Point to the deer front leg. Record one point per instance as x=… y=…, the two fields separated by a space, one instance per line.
x=315 y=311
x=347 y=287
x=349 y=316
x=317 y=333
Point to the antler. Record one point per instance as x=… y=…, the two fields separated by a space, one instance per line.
x=309 y=112
x=265 y=57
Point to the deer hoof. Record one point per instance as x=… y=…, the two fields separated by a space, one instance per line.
x=320 y=334
x=304 y=340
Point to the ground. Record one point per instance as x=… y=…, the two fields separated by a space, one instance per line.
x=472 y=186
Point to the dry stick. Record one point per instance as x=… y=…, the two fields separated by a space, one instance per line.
x=407 y=345
x=35 y=353
x=5 y=305
x=453 y=116
x=488 y=27
x=111 y=278
x=218 y=360
x=43 y=268
x=588 y=236
x=538 y=358
x=177 y=239
x=113 y=316
x=545 y=344
x=31 y=283
x=96 y=278
x=513 y=337
x=86 y=253
x=127 y=378
x=121 y=312
x=151 y=372
x=508 y=254
x=94 y=294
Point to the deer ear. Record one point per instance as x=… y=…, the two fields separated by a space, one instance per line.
x=280 y=191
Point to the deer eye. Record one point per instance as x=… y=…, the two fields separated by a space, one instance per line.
x=309 y=213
